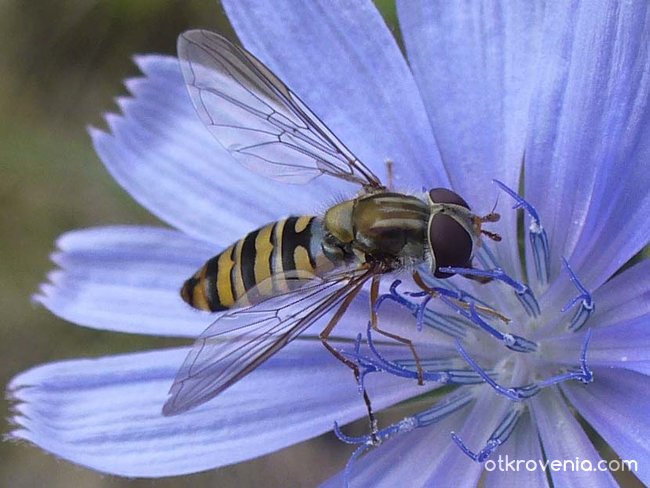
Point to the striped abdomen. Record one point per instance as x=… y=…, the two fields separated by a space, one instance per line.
x=241 y=273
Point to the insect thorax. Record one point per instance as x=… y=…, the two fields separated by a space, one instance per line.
x=385 y=227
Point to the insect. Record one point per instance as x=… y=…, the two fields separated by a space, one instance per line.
x=278 y=280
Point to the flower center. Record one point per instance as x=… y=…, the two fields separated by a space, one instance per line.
x=488 y=351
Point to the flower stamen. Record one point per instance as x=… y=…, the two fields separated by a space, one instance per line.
x=519 y=393
x=422 y=315
x=437 y=412
x=587 y=304
x=522 y=291
x=498 y=437
x=443 y=371
x=516 y=394
x=583 y=374
x=511 y=341
x=536 y=235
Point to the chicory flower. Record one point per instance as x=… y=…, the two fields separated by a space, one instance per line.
x=552 y=100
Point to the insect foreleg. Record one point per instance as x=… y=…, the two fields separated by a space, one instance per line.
x=481 y=308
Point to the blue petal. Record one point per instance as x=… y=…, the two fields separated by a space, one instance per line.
x=126 y=279
x=474 y=62
x=623 y=344
x=616 y=406
x=624 y=297
x=620 y=337
x=296 y=395
x=589 y=136
x=166 y=159
x=342 y=60
x=563 y=439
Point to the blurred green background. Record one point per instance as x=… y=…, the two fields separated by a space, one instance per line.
x=62 y=63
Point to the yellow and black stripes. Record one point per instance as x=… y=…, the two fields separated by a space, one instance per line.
x=242 y=273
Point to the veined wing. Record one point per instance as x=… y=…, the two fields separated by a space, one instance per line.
x=242 y=339
x=260 y=121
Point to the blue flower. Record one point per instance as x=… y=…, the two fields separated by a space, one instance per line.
x=552 y=100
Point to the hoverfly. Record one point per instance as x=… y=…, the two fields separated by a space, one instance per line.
x=278 y=280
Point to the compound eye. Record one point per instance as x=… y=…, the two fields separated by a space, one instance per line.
x=450 y=243
x=443 y=195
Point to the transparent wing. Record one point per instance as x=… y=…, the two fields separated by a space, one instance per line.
x=253 y=114
x=239 y=341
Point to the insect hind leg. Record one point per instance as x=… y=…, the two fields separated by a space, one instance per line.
x=324 y=336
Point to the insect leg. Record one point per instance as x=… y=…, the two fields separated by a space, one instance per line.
x=374 y=293
x=481 y=308
x=324 y=336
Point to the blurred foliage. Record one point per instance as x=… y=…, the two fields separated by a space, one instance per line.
x=62 y=68
x=62 y=64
